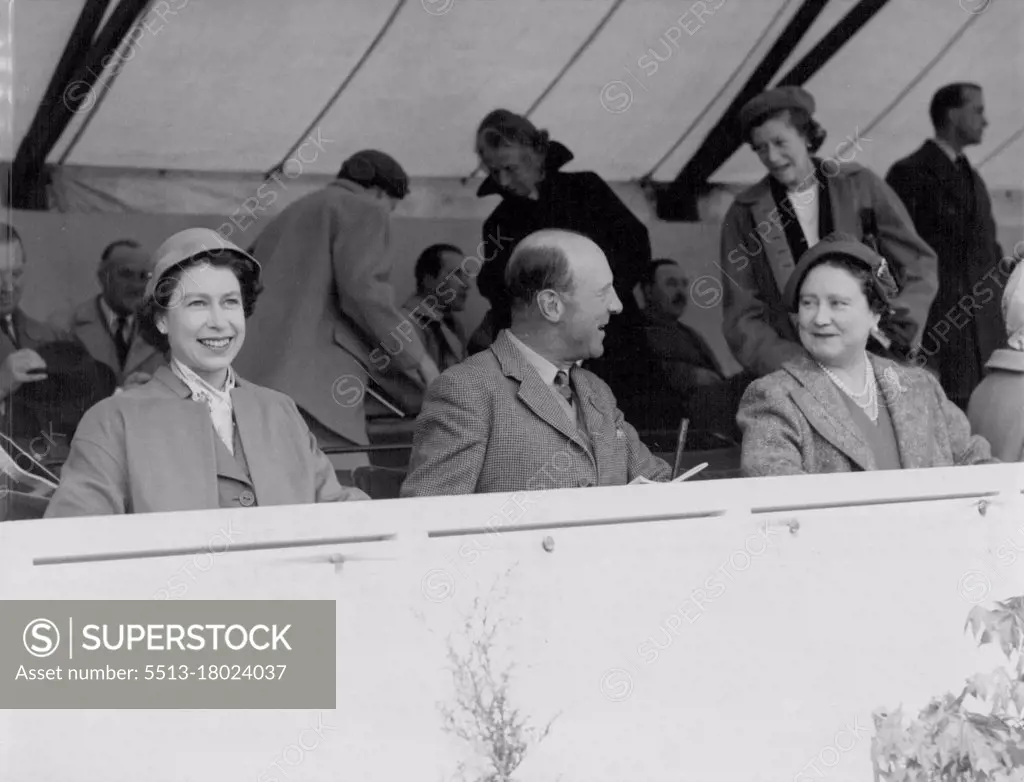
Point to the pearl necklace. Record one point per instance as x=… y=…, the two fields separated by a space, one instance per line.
x=869 y=394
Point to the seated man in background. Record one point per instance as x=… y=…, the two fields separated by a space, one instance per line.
x=106 y=324
x=522 y=415
x=441 y=292
x=47 y=380
x=693 y=374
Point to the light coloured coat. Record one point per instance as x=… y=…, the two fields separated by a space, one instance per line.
x=996 y=409
x=150 y=449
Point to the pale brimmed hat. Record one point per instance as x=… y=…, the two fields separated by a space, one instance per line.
x=188 y=244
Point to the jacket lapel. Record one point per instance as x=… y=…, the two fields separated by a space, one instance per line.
x=907 y=410
x=92 y=332
x=532 y=391
x=776 y=248
x=826 y=412
x=258 y=444
x=943 y=170
x=596 y=419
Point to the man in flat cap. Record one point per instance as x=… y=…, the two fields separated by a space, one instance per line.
x=328 y=307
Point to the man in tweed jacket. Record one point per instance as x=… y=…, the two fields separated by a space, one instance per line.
x=522 y=415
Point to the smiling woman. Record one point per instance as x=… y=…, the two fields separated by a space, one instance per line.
x=834 y=407
x=196 y=436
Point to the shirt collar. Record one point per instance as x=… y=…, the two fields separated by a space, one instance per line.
x=111 y=316
x=545 y=368
x=200 y=388
x=951 y=153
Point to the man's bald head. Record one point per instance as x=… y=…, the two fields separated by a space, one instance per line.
x=560 y=284
x=549 y=260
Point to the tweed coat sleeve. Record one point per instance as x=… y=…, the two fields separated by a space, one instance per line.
x=450 y=441
x=772 y=434
x=94 y=478
x=900 y=242
x=748 y=330
x=967 y=449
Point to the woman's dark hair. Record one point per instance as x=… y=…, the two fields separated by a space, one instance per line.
x=876 y=301
x=503 y=127
x=803 y=123
x=166 y=295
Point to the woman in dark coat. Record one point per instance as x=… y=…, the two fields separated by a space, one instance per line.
x=802 y=198
x=524 y=167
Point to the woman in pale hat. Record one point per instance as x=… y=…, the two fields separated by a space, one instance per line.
x=836 y=408
x=196 y=436
x=801 y=199
x=996 y=409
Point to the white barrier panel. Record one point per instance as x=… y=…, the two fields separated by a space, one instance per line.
x=738 y=630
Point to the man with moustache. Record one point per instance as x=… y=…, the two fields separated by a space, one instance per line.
x=522 y=414
x=694 y=378
x=106 y=324
x=952 y=211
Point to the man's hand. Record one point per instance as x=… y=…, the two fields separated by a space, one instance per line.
x=22 y=366
x=136 y=379
x=426 y=373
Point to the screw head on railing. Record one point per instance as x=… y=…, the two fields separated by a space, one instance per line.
x=983 y=506
x=548 y=544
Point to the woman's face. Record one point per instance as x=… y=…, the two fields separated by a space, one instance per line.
x=205 y=321
x=517 y=168
x=783 y=151
x=834 y=318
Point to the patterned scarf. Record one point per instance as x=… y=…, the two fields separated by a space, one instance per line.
x=218 y=402
x=1013 y=307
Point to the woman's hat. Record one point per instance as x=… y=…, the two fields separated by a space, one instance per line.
x=840 y=245
x=771 y=101
x=188 y=244
x=373 y=168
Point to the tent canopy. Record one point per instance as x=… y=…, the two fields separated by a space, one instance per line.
x=232 y=85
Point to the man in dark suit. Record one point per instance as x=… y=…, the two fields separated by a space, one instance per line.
x=951 y=209
x=522 y=415
x=694 y=384
x=106 y=324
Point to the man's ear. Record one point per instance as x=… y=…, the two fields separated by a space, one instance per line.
x=550 y=305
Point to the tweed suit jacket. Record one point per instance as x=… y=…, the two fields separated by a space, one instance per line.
x=491 y=424
x=795 y=422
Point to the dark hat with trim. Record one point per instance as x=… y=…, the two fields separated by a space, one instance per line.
x=373 y=168
x=848 y=247
x=771 y=101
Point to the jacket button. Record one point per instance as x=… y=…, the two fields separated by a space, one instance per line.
x=247 y=498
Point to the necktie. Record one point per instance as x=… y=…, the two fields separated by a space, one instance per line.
x=120 y=341
x=444 y=353
x=562 y=385
x=7 y=326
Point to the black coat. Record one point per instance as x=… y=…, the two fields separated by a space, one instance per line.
x=580 y=201
x=955 y=218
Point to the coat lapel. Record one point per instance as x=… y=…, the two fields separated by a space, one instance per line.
x=596 y=419
x=532 y=391
x=907 y=410
x=826 y=412
x=943 y=170
x=768 y=226
x=258 y=445
x=91 y=330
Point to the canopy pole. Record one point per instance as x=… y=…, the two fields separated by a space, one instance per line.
x=337 y=93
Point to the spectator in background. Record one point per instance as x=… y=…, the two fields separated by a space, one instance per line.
x=522 y=415
x=801 y=199
x=693 y=374
x=107 y=324
x=329 y=308
x=196 y=436
x=951 y=209
x=836 y=408
x=441 y=292
x=524 y=167
x=996 y=408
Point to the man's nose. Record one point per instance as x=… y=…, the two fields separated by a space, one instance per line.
x=615 y=306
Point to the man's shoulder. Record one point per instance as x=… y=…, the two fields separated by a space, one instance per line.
x=909 y=164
